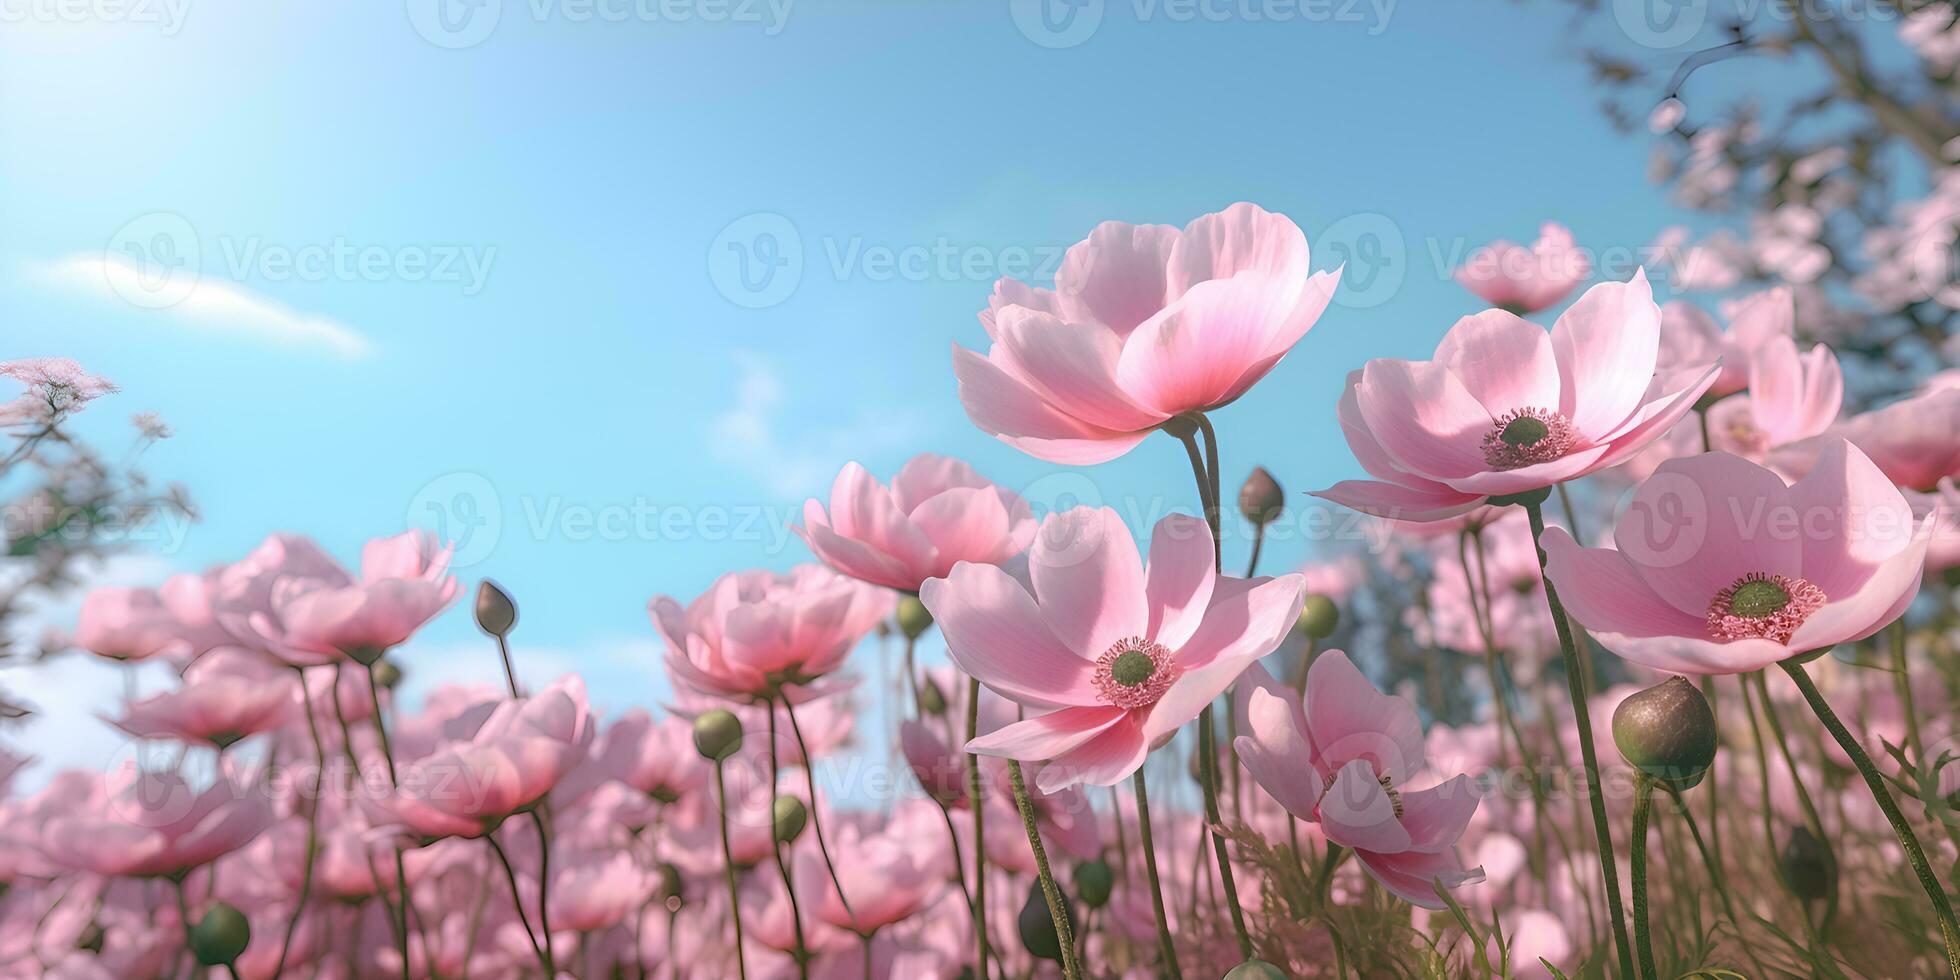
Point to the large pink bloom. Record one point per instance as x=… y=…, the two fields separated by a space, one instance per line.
x=1691 y=339
x=1345 y=759
x=129 y=624
x=755 y=633
x=1721 y=568
x=1117 y=655
x=1146 y=322
x=938 y=512
x=1526 y=280
x=141 y=824
x=468 y=787
x=1505 y=408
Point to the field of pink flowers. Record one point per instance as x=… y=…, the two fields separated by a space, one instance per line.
x=1707 y=730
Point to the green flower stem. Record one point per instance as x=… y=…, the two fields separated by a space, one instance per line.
x=1714 y=794
x=1949 y=930
x=1207 y=476
x=1164 y=944
x=1712 y=860
x=979 y=808
x=728 y=866
x=1643 y=806
x=1575 y=679
x=802 y=953
x=816 y=820
x=312 y=824
x=517 y=901
x=1051 y=892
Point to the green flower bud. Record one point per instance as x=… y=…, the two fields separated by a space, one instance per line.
x=1807 y=866
x=717 y=734
x=932 y=700
x=1667 y=732
x=387 y=674
x=1255 y=970
x=1260 y=498
x=790 y=816
x=1093 y=882
x=1319 y=618
x=1038 y=925
x=220 y=936
x=495 y=612
x=913 y=618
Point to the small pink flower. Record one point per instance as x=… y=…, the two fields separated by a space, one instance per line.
x=1721 y=568
x=879 y=872
x=597 y=889
x=1505 y=408
x=655 y=759
x=1791 y=397
x=1526 y=280
x=1345 y=759
x=1915 y=441
x=753 y=634
x=130 y=624
x=56 y=388
x=142 y=824
x=469 y=787
x=1117 y=656
x=404 y=583
x=228 y=694
x=1691 y=340
x=937 y=512
x=1145 y=323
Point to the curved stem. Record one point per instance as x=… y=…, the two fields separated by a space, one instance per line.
x=1643 y=806
x=544 y=883
x=816 y=820
x=1207 y=476
x=728 y=867
x=312 y=825
x=1575 y=680
x=979 y=833
x=1908 y=841
x=782 y=866
x=1064 y=930
x=1164 y=944
x=517 y=900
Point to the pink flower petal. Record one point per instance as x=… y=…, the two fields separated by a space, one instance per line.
x=1424 y=418
x=1178 y=578
x=1071 y=366
x=1048 y=736
x=1879 y=600
x=1005 y=407
x=1852 y=520
x=1607 y=344
x=1242 y=238
x=1503 y=360
x=1350 y=721
x=1702 y=523
x=1357 y=812
x=1436 y=817
x=1116 y=276
x=1400 y=503
x=1194 y=354
x=1275 y=752
x=995 y=633
x=1413 y=875
x=1105 y=760
x=1246 y=619
x=1602 y=590
x=1089 y=579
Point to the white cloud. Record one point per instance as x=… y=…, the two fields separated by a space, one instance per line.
x=747 y=435
x=202 y=302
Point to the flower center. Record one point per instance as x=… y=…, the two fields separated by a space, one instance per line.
x=1394 y=798
x=1527 y=436
x=1763 y=606
x=1134 y=673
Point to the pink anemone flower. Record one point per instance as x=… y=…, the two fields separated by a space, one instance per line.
x=936 y=513
x=1505 y=408
x=1145 y=323
x=1116 y=655
x=228 y=694
x=1526 y=280
x=1915 y=441
x=141 y=824
x=1720 y=568
x=756 y=634
x=404 y=583
x=1691 y=339
x=1345 y=759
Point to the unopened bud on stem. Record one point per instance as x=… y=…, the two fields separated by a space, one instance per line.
x=1667 y=732
x=717 y=734
x=1260 y=498
x=495 y=612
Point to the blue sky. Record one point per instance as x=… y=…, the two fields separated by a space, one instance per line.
x=405 y=270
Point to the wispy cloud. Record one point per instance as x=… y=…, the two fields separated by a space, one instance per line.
x=207 y=303
x=749 y=436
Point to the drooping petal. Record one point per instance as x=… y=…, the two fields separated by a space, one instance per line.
x=1436 y=817
x=1048 y=736
x=1274 y=750
x=1105 y=760
x=1005 y=407
x=1400 y=503
x=1357 y=811
x=1413 y=875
